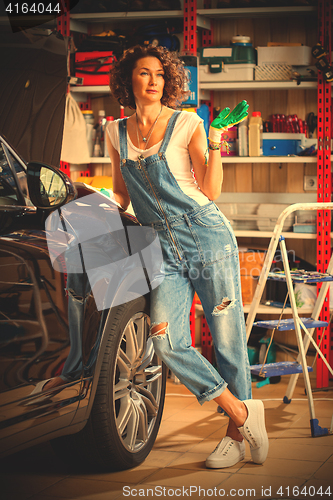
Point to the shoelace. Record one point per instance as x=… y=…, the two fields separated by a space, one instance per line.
x=228 y=447
x=253 y=441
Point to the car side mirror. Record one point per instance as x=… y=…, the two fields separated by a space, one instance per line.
x=49 y=188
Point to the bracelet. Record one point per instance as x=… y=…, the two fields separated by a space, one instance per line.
x=214 y=145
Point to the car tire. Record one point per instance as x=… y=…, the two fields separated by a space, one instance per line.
x=129 y=399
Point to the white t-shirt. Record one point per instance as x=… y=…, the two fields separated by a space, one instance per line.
x=177 y=154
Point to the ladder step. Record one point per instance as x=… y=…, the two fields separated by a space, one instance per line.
x=276 y=369
x=288 y=324
x=301 y=276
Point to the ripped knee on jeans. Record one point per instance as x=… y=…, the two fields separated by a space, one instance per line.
x=159 y=329
x=223 y=308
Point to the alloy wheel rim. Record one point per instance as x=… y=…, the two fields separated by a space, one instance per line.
x=137 y=384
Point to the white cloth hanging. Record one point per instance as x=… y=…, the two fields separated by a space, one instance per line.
x=74 y=142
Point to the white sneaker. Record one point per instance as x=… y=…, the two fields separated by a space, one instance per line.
x=227 y=453
x=254 y=430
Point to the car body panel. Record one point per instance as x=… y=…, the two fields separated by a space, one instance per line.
x=34 y=339
x=54 y=310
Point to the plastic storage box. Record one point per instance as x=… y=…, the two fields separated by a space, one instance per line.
x=273 y=72
x=283 y=144
x=94 y=67
x=295 y=56
x=226 y=63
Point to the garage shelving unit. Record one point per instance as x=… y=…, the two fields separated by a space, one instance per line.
x=202 y=18
x=323 y=160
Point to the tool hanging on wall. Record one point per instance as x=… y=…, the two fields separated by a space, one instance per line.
x=322 y=63
x=311 y=123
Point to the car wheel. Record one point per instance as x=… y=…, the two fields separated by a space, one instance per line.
x=129 y=399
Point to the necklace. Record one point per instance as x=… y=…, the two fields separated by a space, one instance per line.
x=150 y=131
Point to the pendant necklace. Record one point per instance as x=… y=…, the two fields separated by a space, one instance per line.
x=146 y=139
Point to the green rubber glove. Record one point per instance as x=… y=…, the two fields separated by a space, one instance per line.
x=227 y=119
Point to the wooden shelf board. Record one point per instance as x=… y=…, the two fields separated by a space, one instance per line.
x=257 y=85
x=103 y=17
x=269 y=159
x=257 y=11
x=244 y=159
x=249 y=85
x=239 y=233
x=91 y=89
x=262 y=309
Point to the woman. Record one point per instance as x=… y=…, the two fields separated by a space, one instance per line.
x=153 y=154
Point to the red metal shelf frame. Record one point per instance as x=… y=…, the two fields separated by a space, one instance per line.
x=324 y=190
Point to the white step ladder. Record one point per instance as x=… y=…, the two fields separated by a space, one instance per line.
x=308 y=325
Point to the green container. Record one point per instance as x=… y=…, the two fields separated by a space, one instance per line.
x=216 y=57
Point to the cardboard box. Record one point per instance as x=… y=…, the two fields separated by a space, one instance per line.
x=251 y=263
x=248 y=285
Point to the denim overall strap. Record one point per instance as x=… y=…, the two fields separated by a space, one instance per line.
x=123 y=138
x=169 y=130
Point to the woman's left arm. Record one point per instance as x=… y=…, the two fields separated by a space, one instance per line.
x=209 y=177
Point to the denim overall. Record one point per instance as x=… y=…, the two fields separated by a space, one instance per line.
x=200 y=254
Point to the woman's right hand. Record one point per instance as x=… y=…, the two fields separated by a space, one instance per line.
x=227 y=119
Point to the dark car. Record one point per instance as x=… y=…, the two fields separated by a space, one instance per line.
x=75 y=275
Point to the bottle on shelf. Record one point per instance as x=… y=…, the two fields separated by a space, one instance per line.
x=108 y=119
x=97 y=147
x=101 y=122
x=90 y=131
x=243 y=140
x=255 y=134
x=101 y=128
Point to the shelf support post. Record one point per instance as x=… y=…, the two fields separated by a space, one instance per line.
x=190 y=27
x=207 y=41
x=63 y=26
x=324 y=182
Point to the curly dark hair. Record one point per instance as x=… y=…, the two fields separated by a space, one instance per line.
x=174 y=75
